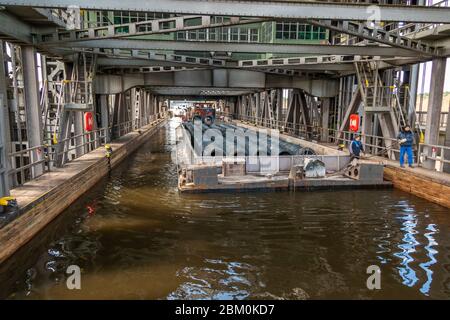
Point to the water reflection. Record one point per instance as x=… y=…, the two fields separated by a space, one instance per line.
x=135 y=237
x=408 y=246
x=431 y=254
x=217 y=279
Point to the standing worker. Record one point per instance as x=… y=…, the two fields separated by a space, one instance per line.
x=406 y=141
x=356 y=147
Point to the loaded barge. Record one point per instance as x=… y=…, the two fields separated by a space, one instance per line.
x=217 y=156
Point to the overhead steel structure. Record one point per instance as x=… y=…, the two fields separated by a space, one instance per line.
x=125 y=71
x=351 y=11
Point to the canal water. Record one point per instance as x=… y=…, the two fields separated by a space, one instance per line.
x=135 y=237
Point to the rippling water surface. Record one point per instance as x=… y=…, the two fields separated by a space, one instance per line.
x=135 y=237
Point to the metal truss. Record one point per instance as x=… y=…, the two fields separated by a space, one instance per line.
x=181 y=23
x=325 y=61
x=263 y=9
x=203 y=46
x=153 y=69
x=392 y=38
x=145 y=55
x=14 y=30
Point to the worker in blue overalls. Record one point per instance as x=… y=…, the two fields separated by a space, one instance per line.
x=356 y=147
x=406 y=141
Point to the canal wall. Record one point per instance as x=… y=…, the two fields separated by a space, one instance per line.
x=43 y=199
x=430 y=185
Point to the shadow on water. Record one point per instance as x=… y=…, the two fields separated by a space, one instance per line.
x=135 y=237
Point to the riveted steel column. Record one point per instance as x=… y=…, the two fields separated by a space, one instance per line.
x=434 y=108
x=33 y=107
x=4 y=130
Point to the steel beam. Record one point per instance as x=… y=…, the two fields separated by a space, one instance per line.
x=170 y=45
x=14 y=30
x=155 y=69
x=270 y=9
x=175 y=59
x=113 y=62
x=142 y=28
x=378 y=35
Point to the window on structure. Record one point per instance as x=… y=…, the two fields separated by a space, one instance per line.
x=308 y=31
x=234 y=34
x=293 y=31
x=302 y=32
x=141 y=17
x=322 y=34
x=192 y=22
x=253 y=35
x=213 y=34
x=133 y=17
x=192 y=35
x=315 y=33
x=243 y=35
x=202 y=34
x=279 y=34
x=105 y=20
x=166 y=25
x=286 y=28
x=117 y=18
x=269 y=32
x=224 y=34
x=181 y=35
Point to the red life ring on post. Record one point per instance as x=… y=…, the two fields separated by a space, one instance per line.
x=88 y=121
x=354 y=123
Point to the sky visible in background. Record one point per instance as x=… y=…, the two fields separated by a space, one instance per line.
x=426 y=88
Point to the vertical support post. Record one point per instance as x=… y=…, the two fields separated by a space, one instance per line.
x=434 y=107
x=133 y=105
x=33 y=108
x=279 y=107
x=78 y=131
x=447 y=144
x=325 y=110
x=4 y=129
x=104 y=114
x=4 y=183
x=367 y=128
x=158 y=106
x=64 y=126
x=413 y=82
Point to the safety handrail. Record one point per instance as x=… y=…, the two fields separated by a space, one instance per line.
x=49 y=151
x=377 y=145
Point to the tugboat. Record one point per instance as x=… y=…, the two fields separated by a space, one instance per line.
x=205 y=113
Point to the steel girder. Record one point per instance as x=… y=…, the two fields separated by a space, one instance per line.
x=391 y=38
x=203 y=46
x=14 y=30
x=263 y=9
x=157 y=26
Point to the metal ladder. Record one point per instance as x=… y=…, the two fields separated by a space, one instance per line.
x=81 y=92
